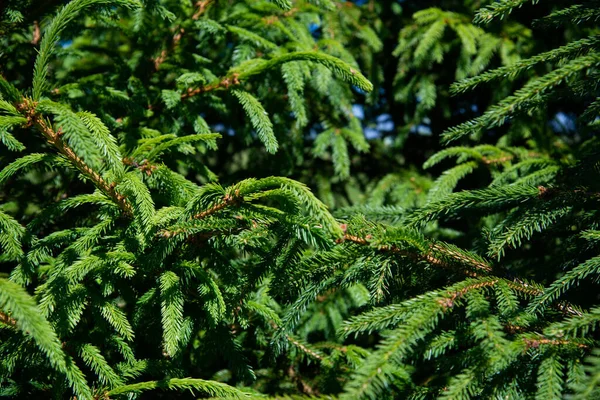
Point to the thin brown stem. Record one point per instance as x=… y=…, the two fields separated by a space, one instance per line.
x=535 y=343
x=224 y=83
x=164 y=53
x=202 y=6
x=227 y=201
x=6 y=319
x=37 y=33
x=304 y=387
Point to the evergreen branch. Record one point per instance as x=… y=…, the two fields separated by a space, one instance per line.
x=499 y=114
x=337 y=66
x=228 y=200
x=212 y=388
x=565 y=282
x=520 y=168
x=499 y=9
x=462 y=386
x=223 y=83
x=384 y=213
x=253 y=38
x=11 y=235
x=137 y=196
x=284 y=4
x=550 y=379
x=208 y=138
x=259 y=118
x=575 y=48
x=576 y=14
x=520 y=225
x=429 y=257
x=54 y=138
x=257 y=66
x=92 y=356
x=449 y=179
x=577 y=325
x=24 y=163
x=172 y=302
x=117 y=319
x=587 y=386
x=104 y=140
x=8 y=92
x=30 y=321
x=539 y=341
x=11 y=142
x=372 y=377
x=26 y=316
x=52 y=35
x=486 y=200
x=532 y=290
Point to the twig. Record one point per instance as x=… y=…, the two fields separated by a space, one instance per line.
x=223 y=83
x=227 y=201
x=5 y=319
x=535 y=343
x=202 y=6
x=523 y=287
x=163 y=54
x=448 y=301
x=37 y=33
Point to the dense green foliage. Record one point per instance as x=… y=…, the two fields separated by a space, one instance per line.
x=299 y=199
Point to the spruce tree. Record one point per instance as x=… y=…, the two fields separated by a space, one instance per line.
x=149 y=250
x=129 y=267
x=510 y=312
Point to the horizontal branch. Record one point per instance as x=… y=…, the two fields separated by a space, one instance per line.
x=535 y=343
x=428 y=257
x=224 y=83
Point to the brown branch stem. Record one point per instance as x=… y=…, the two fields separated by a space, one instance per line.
x=535 y=343
x=165 y=52
x=202 y=6
x=224 y=83
x=227 y=201
x=6 y=319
